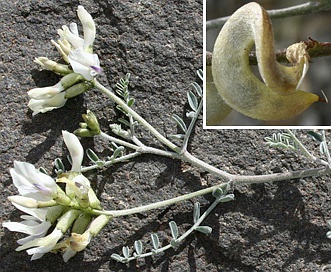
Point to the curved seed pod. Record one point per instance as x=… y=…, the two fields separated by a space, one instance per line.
x=217 y=109
x=277 y=97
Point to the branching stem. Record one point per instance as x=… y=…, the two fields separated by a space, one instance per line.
x=136 y=116
x=185 y=156
x=233 y=179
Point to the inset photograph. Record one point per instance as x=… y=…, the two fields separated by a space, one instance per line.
x=267 y=64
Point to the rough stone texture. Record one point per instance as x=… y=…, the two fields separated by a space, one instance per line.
x=269 y=227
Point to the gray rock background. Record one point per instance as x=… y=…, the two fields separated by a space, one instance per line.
x=269 y=227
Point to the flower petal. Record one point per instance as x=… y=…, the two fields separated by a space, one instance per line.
x=68 y=254
x=75 y=149
x=74 y=40
x=80 y=68
x=42 y=245
x=39 y=213
x=30 y=227
x=86 y=64
x=44 y=105
x=88 y=28
x=32 y=183
x=45 y=92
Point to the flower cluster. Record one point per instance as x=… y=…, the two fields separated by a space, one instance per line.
x=46 y=204
x=90 y=127
x=77 y=52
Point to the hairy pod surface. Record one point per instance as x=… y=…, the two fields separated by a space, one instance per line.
x=275 y=98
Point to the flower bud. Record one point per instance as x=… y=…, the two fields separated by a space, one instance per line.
x=63 y=47
x=83 y=132
x=24 y=201
x=71 y=79
x=98 y=224
x=90 y=127
x=77 y=89
x=57 y=68
x=67 y=219
x=30 y=202
x=53 y=213
x=81 y=223
x=91 y=121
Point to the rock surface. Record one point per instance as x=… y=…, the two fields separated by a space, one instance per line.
x=269 y=227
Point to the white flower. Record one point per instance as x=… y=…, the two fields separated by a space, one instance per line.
x=88 y=28
x=71 y=35
x=72 y=245
x=40 y=246
x=70 y=39
x=82 y=184
x=35 y=186
x=34 y=224
x=60 y=69
x=86 y=64
x=32 y=183
x=77 y=185
x=37 y=247
x=78 y=51
x=78 y=242
x=47 y=98
x=46 y=92
x=75 y=149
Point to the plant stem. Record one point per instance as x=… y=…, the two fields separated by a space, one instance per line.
x=199 y=221
x=141 y=148
x=113 y=161
x=184 y=156
x=234 y=180
x=305 y=151
x=315 y=50
x=306 y=8
x=136 y=116
x=160 y=204
x=312 y=172
x=118 y=141
x=190 y=128
x=327 y=152
x=183 y=236
x=187 y=157
x=179 y=153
